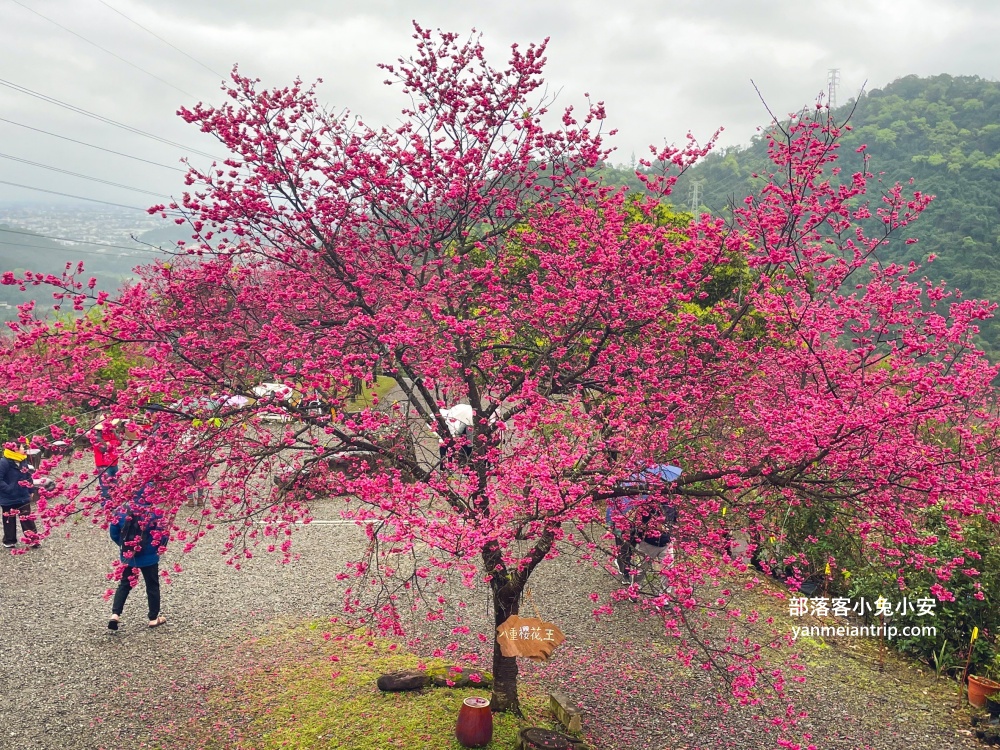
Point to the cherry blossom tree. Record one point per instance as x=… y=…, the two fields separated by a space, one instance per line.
x=468 y=256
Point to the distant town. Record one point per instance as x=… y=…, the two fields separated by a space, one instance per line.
x=47 y=238
x=79 y=222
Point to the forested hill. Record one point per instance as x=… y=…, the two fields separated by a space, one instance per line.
x=944 y=132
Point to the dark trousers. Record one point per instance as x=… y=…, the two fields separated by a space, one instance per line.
x=151 y=576
x=625 y=554
x=10 y=517
x=447 y=450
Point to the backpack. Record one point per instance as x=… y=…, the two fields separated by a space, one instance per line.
x=657 y=525
x=131 y=530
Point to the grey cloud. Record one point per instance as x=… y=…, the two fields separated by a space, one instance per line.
x=662 y=68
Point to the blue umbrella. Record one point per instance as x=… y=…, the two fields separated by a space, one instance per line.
x=660 y=471
x=663 y=472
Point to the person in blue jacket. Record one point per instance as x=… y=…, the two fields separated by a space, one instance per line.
x=15 y=498
x=142 y=535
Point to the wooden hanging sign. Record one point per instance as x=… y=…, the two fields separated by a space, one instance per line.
x=529 y=637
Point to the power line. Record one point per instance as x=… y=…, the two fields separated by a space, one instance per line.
x=101 y=118
x=82 y=176
x=70 y=249
x=91 y=145
x=6 y=230
x=130 y=20
x=92 y=200
x=103 y=49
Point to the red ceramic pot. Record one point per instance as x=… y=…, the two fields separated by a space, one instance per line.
x=980 y=688
x=475 y=723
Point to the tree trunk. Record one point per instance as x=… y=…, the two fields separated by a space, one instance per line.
x=506 y=602
x=506 y=587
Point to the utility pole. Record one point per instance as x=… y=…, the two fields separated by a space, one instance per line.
x=832 y=81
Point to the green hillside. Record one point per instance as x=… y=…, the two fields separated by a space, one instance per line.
x=944 y=133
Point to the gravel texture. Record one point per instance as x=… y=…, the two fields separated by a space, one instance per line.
x=66 y=682
x=62 y=670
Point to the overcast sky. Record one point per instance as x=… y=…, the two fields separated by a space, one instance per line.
x=663 y=67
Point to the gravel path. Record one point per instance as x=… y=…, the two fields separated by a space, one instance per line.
x=62 y=669
x=66 y=682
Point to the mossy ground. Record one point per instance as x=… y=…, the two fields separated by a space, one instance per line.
x=300 y=685
x=307 y=687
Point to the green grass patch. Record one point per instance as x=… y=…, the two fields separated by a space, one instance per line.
x=379 y=390
x=306 y=688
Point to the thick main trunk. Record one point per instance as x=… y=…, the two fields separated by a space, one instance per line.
x=506 y=602
x=506 y=587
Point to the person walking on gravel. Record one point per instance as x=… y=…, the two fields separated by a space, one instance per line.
x=458 y=419
x=15 y=498
x=141 y=534
x=642 y=523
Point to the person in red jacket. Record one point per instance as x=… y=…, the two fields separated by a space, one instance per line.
x=106 y=446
